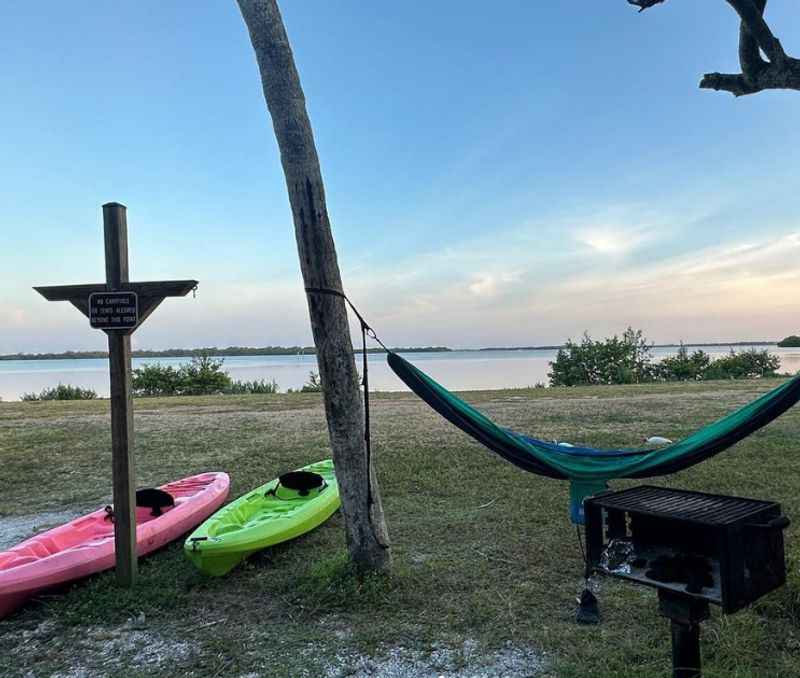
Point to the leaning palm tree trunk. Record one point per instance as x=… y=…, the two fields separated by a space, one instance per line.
x=361 y=504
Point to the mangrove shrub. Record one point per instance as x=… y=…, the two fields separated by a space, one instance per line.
x=792 y=341
x=618 y=360
x=60 y=392
x=202 y=376
x=628 y=360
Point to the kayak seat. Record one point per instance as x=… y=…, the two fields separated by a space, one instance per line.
x=38 y=549
x=49 y=544
x=301 y=482
x=155 y=499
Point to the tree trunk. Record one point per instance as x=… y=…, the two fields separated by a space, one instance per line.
x=367 y=538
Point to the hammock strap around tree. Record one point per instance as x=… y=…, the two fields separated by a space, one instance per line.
x=366 y=331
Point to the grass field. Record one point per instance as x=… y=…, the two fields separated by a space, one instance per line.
x=487 y=566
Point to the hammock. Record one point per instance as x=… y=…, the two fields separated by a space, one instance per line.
x=589 y=469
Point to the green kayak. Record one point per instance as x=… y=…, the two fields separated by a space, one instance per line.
x=281 y=510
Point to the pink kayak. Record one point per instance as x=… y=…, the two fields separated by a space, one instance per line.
x=86 y=545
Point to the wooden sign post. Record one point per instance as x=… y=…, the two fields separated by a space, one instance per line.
x=118 y=307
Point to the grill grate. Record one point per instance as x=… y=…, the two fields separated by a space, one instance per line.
x=696 y=507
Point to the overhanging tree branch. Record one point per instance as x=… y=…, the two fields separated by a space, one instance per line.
x=755 y=36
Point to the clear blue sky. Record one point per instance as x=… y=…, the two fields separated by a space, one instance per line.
x=505 y=173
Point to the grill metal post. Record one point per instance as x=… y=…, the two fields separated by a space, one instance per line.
x=685 y=650
x=685 y=614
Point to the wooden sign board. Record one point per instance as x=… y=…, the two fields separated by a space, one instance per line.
x=113 y=310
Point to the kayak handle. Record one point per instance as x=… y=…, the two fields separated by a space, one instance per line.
x=194 y=541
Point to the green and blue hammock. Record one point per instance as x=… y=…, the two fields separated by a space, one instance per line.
x=589 y=469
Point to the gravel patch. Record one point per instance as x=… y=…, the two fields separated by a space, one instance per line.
x=103 y=651
x=467 y=661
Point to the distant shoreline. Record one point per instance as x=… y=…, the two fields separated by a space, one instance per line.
x=233 y=351
x=213 y=351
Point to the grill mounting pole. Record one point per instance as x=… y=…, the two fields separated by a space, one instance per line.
x=685 y=615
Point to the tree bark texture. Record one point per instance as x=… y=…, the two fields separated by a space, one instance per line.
x=367 y=537
x=755 y=36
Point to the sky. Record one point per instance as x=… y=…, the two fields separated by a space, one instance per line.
x=497 y=174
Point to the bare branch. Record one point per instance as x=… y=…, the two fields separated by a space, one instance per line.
x=749 y=52
x=755 y=36
x=753 y=20
x=772 y=76
x=735 y=83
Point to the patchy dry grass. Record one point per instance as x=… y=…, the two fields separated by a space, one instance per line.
x=486 y=564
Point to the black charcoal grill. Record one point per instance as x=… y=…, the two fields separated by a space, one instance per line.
x=695 y=548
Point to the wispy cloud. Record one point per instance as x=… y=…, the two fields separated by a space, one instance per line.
x=733 y=291
x=490 y=284
x=612 y=239
x=724 y=265
x=726 y=292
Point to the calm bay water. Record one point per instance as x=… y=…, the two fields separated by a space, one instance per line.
x=458 y=370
